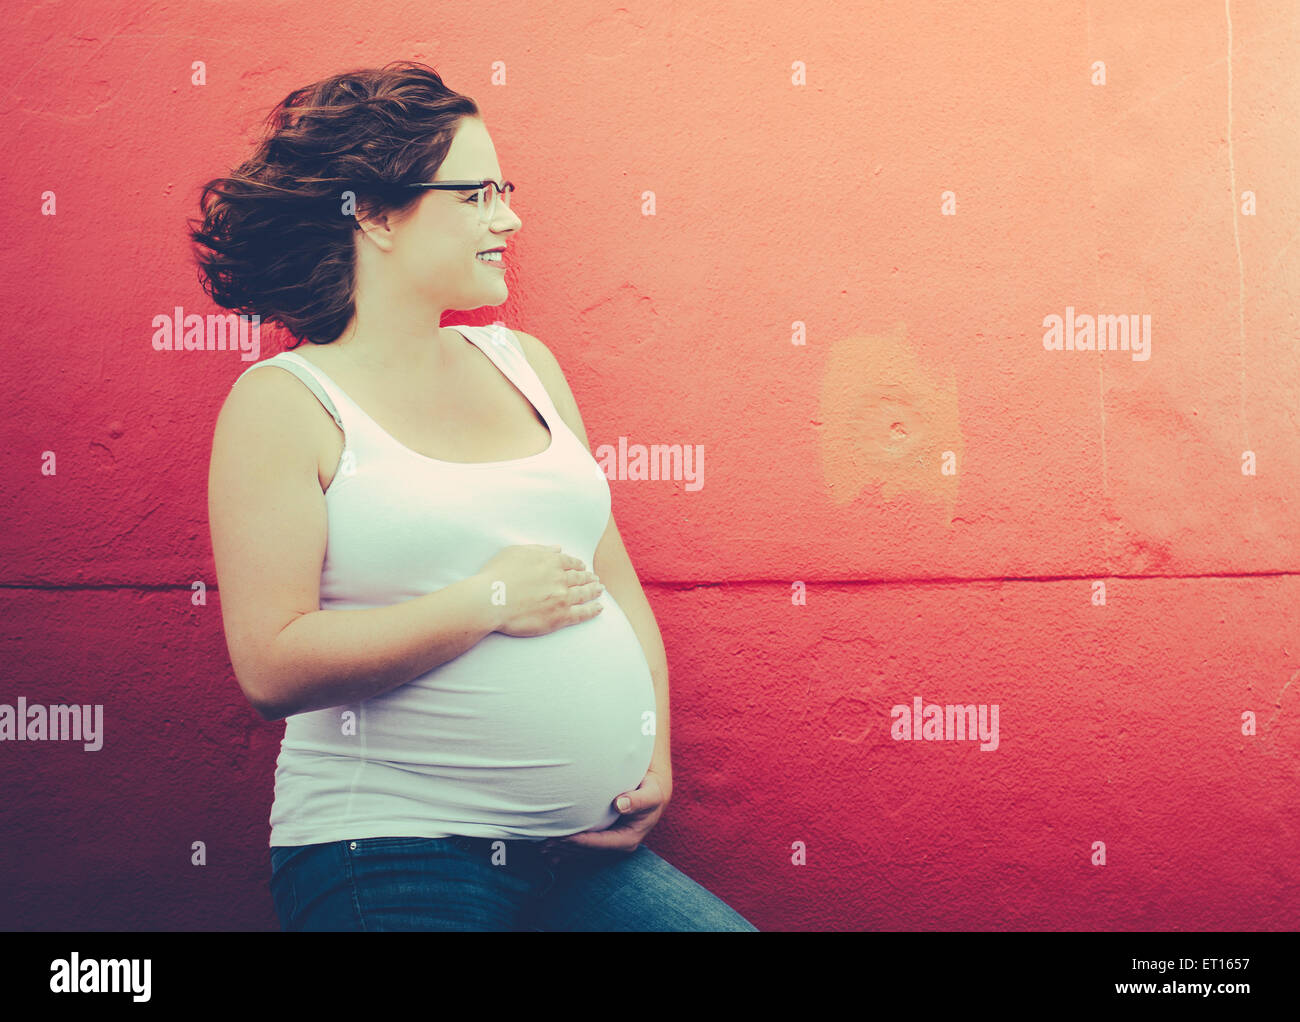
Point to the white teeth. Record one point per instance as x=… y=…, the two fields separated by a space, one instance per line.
x=490 y=256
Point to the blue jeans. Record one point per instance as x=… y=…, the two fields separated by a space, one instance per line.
x=452 y=883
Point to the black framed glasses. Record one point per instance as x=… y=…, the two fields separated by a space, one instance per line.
x=486 y=193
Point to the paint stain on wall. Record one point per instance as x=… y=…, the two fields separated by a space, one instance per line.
x=888 y=423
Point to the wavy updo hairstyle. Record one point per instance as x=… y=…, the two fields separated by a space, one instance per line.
x=274 y=239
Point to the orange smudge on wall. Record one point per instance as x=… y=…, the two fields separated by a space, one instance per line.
x=888 y=422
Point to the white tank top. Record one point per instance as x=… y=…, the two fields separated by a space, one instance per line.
x=518 y=737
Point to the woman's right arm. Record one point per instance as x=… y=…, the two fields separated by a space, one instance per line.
x=267 y=516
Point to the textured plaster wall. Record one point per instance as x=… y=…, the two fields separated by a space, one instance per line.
x=820 y=242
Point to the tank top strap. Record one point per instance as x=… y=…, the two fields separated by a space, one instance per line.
x=302 y=369
x=503 y=346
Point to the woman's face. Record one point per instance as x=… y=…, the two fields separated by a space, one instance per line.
x=436 y=247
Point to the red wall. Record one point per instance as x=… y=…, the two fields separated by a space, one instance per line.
x=776 y=204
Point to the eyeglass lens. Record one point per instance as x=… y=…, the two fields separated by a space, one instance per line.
x=488 y=199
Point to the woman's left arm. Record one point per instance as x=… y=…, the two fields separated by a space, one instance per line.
x=614 y=566
x=642 y=807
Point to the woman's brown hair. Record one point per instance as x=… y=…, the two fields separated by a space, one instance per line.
x=278 y=242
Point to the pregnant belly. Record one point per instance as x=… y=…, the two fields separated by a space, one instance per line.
x=534 y=736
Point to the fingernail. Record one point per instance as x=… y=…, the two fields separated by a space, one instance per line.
x=623 y=803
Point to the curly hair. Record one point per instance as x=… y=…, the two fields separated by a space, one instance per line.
x=275 y=240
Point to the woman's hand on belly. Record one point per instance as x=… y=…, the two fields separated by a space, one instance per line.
x=646 y=805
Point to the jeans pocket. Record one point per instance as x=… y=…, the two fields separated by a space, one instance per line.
x=283 y=855
x=281 y=884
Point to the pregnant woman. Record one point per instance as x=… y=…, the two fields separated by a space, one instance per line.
x=403 y=518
